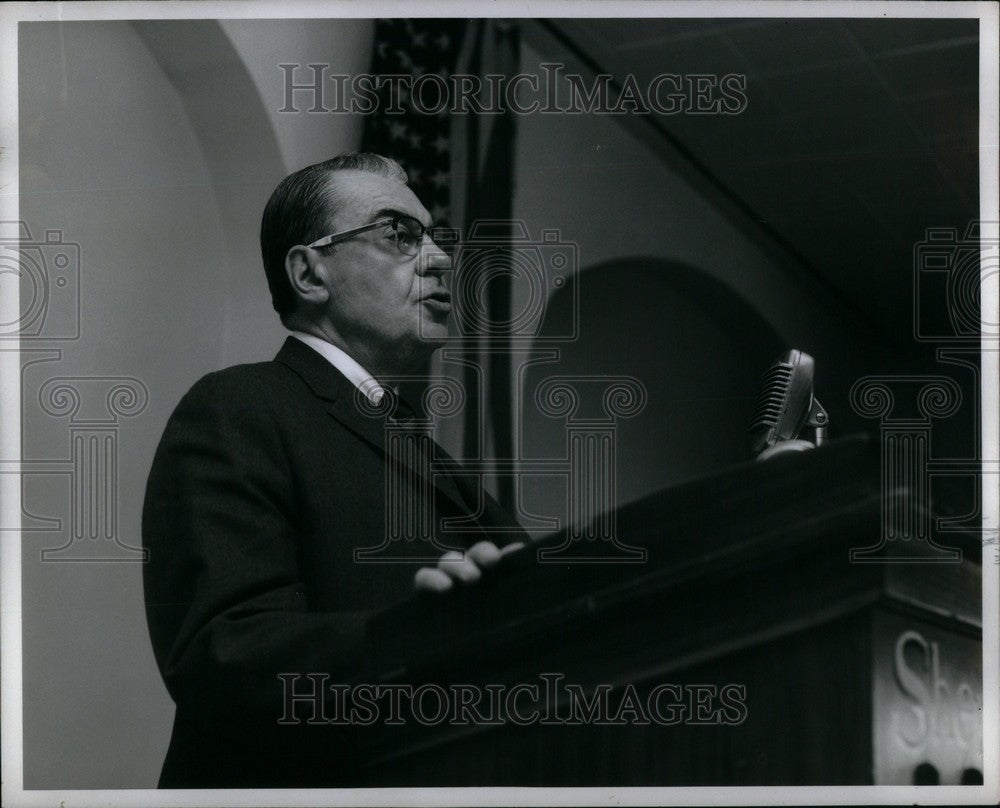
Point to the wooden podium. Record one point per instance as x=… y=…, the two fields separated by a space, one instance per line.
x=775 y=658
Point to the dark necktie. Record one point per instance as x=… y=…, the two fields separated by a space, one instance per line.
x=440 y=459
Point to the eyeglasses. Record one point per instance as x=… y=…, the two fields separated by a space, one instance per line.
x=409 y=234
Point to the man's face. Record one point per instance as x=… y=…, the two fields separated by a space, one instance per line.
x=382 y=302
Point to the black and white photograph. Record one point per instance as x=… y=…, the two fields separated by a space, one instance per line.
x=439 y=405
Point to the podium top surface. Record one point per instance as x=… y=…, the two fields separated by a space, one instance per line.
x=804 y=513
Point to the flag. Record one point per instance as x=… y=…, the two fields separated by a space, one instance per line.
x=460 y=165
x=419 y=142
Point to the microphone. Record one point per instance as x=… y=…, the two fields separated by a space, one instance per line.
x=785 y=405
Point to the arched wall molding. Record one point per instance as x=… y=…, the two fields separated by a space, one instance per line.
x=705 y=288
x=228 y=79
x=223 y=105
x=695 y=346
x=241 y=153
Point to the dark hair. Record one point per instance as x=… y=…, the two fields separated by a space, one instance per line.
x=299 y=212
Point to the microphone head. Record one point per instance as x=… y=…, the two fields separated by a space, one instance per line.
x=784 y=399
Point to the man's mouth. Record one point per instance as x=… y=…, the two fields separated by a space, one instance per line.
x=441 y=299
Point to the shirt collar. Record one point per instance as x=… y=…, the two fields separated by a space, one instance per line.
x=343 y=362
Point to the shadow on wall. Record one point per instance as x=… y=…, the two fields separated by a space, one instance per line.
x=697 y=348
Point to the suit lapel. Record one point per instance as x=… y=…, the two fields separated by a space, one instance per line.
x=345 y=403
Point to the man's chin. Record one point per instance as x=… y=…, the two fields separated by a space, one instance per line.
x=433 y=334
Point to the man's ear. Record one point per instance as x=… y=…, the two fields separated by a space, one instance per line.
x=307 y=274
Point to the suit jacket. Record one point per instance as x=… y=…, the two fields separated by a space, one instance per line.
x=266 y=481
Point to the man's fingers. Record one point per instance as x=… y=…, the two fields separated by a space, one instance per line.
x=483 y=554
x=459 y=568
x=454 y=566
x=429 y=579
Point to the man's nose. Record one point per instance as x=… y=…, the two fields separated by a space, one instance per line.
x=432 y=258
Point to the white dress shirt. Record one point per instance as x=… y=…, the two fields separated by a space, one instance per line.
x=356 y=374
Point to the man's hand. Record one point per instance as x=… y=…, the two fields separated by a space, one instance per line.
x=454 y=567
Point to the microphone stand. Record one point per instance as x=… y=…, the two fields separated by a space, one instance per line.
x=817 y=420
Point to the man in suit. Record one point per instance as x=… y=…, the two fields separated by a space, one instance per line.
x=271 y=477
